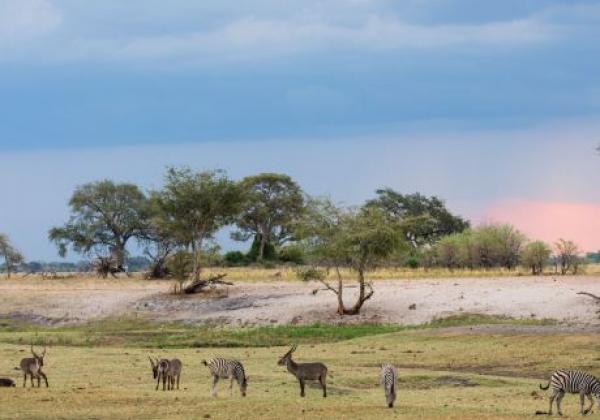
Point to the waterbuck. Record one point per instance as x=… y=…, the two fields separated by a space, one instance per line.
x=166 y=370
x=5 y=382
x=32 y=366
x=305 y=371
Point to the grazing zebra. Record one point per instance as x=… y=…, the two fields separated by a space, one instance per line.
x=225 y=368
x=388 y=380
x=573 y=382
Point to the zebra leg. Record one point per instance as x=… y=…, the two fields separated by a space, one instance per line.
x=231 y=386
x=589 y=410
x=301 y=387
x=581 y=403
x=561 y=395
x=552 y=397
x=215 y=379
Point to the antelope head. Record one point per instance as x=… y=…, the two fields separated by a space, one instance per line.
x=286 y=357
x=37 y=357
x=154 y=365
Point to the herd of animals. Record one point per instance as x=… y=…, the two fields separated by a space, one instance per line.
x=169 y=373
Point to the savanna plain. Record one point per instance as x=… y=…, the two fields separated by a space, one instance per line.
x=465 y=346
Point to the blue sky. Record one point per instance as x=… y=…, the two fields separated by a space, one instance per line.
x=477 y=101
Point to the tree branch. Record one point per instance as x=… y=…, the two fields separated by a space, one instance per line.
x=590 y=295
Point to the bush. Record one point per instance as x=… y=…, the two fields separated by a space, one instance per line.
x=235 y=259
x=292 y=254
x=412 y=262
x=310 y=273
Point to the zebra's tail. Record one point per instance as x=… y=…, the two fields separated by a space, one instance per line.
x=204 y=362
x=547 y=386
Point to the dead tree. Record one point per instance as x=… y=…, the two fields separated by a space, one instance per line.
x=197 y=285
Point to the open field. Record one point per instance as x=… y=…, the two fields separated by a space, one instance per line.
x=456 y=373
x=473 y=348
x=282 y=302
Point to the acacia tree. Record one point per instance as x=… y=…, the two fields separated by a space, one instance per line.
x=272 y=202
x=194 y=205
x=11 y=256
x=567 y=255
x=105 y=216
x=359 y=239
x=424 y=219
x=535 y=255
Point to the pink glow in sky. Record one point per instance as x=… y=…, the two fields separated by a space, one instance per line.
x=549 y=221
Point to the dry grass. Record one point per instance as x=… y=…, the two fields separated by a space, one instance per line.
x=116 y=383
x=288 y=273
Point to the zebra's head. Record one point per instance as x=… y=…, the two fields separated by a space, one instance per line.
x=244 y=385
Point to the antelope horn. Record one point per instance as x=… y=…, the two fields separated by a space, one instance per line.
x=44 y=352
x=33 y=352
x=151 y=362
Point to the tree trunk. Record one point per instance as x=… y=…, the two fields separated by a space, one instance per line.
x=261 y=248
x=340 y=294
x=360 y=301
x=195 y=261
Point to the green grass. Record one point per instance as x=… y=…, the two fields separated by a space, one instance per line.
x=139 y=333
x=444 y=374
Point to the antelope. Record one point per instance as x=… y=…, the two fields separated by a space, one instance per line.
x=305 y=371
x=5 y=382
x=32 y=366
x=167 y=371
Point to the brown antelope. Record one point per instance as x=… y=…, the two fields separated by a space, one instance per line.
x=305 y=371
x=166 y=370
x=32 y=366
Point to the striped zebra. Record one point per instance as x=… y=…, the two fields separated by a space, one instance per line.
x=387 y=379
x=573 y=382
x=225 y=368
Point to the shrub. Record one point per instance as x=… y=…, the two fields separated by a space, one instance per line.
x=292 y=254
x=235 y=259
x=310 y=273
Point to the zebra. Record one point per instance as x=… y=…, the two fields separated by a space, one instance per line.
x=573 y=382
x=387 y=379
x=225 y=368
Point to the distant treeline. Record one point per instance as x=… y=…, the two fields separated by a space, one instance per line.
x=174 y=226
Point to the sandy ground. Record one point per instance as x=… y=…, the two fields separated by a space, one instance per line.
x=65 y=302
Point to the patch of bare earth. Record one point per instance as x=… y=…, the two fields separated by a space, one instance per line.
x=409 y=302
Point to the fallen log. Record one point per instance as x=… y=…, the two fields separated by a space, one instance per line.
x=198 y=285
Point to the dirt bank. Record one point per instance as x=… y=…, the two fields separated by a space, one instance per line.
x=278 y=302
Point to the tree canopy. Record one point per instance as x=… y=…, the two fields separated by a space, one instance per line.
x=424 y=219
x=194 y=205
x=11 y=256
x=359 y=239
x=104 y=217
x=272 y=202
